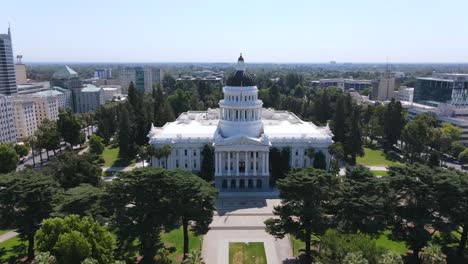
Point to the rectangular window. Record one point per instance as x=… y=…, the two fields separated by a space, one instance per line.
x=185 y=152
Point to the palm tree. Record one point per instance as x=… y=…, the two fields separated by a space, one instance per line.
x=165 y=152
x=143 y=153
x=194 y=257
x=151 y=151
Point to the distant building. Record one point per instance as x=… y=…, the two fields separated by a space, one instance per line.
x=104 y=73
x=385 y=89
x=7 y=120
x=88 y=98
x=30 y=88
x=142 y=78
x=111 y=91
x=20 y=69
x=25 y=118
x=7 y=66
x=449 y=88
x=404 y=94
x=62 y=96
x=66 y=78
x=345 y=84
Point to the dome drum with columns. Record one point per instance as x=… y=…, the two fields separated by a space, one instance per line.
x=242 y=133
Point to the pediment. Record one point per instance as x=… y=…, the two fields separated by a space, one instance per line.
x=241 y=141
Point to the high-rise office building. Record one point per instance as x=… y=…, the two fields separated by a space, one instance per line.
x=142 y=77
x=385 y=90
x=7 y=66
x=7 y=120
x=449 y=88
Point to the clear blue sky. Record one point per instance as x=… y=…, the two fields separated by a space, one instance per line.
x=217 y=30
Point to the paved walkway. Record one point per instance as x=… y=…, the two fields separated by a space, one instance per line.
x=240 y=219
x=7 y=236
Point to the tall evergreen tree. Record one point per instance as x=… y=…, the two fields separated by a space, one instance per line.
x=353 y=141
x=207 y=166
x=126 y=140
x=69 y=126
x=339 y=121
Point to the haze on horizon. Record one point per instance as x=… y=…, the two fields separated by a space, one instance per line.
x=299 y=31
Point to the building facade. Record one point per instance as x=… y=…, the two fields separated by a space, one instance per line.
x=345 y=84
x=142 y=77
x=7 y=66
x=25 y=118
x=404 y=94
x=7 y=120
x=88 y=98
x=385 y=90
x=242 y=134
x=443 y=87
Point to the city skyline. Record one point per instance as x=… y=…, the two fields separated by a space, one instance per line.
x=361 y=31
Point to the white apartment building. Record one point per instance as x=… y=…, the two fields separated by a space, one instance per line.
x=404 y=94
x=88 y=98
x=25 y=118
x=7 y=121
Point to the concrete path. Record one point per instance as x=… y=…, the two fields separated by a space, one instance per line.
x=7 y=236
x=241 y=219
x=377 y=168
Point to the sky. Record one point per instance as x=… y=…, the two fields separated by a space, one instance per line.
x=287 y=31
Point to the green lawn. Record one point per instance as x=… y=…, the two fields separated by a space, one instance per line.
x=375 y=157
x=12 y=248
x=247 y=253
x=175 y=239
x=380 y=173
x=3 y=231
x=395 y=246
x=111 y=157
x=383 y=241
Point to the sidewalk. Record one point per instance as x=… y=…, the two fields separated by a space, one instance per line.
x=7 y=236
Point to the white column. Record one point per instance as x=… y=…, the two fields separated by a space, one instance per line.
x=237 y=163
x=254 y=183
x=247 y=164
x=263 y=162
x=267 y=162
x=255 y=163
x=229 y=163
x=190 y=166
x=198 y=159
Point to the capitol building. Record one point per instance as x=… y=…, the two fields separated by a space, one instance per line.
x=242 y=134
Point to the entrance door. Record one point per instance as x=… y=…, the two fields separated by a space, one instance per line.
x=241 y=166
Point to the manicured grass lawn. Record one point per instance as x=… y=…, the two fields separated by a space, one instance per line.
x=175 y=239
x=375 y=157
x=3 y=231
x=12 y=248
x=395 y=246
x=247 y=253
x=383 y=241
x=111 y=157
x=380 y=173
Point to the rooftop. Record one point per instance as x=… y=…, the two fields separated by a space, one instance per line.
x=65 y=72
x=278 y=125
x=89 y=88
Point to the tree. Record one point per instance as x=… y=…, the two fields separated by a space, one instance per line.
x=339 y=121
x=456 y=148
x=44 y=258
x=391 y=258
x=106 y=119
x=96 y=146
x=364 y=202
x=72 y=247
x=305 y=196
x=126 y=139
x=452 y=193
x=355 y=258
x=415 y=135
x=83 y=200
x=194 y=201
x=353 y=141
x=335 y=247
x=463 y=156
x=8 y=158
x=48 y=136
x=162 y=110
x=194 y=257
x=432 y=254
x=21 y=149
x=72 y=239
x=69 y=126
x=320 y=161
x=207 y=166
x=393 y=123
x=71 y=169
x=141 y=205
x=414 y=204
x=27 y=197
